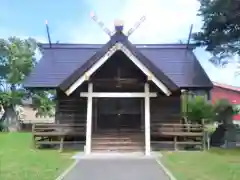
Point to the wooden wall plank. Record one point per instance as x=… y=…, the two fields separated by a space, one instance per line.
x=71 y=109
x=165 y=109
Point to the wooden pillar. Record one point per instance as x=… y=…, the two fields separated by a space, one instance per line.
x=89 y=119
x=147 y=121
x=142 y=114
x=95 y=114
x=57 y=112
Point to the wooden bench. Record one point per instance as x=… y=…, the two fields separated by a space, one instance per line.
x=188 y=132
x=52 y=134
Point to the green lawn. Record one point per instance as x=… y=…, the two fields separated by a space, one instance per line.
x=18 y=161
x=216 y=164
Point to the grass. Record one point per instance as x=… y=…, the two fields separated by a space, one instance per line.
x=216 y=164
x=19 y=161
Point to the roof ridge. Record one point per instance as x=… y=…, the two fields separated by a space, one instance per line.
x=226 y=86
x=96 y=46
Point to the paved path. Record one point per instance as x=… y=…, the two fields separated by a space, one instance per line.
x=116 y=169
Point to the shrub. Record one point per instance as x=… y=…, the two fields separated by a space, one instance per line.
x=2 y=126
x=198 y=109
x=224 y=110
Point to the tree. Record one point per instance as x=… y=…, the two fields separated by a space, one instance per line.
x=220 y=32
x=224 y=110
x=17 y=59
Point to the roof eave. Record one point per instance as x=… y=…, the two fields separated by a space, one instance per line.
x=77 y=76
x=160 y=75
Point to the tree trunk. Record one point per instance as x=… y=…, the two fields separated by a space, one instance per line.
x=11 y=119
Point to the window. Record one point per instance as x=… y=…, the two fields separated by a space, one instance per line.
x=188 y=95
x=203 y=93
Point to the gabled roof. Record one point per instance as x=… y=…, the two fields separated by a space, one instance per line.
x=172 y=63
x=225 y=86
x=117 y=42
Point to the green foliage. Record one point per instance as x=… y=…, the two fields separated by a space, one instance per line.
x=17 y=59
x=2 y=126
x=184 y=100
x=44 y=103
x=222 y=104
x=8 y=98
x=198 y=109
x=16 y=62
x=220 y=32
x=224 y=110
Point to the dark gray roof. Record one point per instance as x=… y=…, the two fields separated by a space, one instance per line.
x=56 y=65
x=118 y=37
x=62 y=60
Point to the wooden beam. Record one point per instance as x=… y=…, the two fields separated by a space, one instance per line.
x=146 y=71
x=118 y=94
x=95 y=67
x=135 y=60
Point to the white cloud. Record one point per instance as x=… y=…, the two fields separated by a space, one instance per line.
x=4 y=33
x=166 y=22
x=226 y=75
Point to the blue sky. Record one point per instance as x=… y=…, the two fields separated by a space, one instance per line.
x=167 y=21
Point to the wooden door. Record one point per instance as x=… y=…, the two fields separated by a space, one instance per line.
x=119 y=113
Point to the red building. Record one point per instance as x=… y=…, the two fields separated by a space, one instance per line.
x=231 y=93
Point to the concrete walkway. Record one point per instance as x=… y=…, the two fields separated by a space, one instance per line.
x=117 y=169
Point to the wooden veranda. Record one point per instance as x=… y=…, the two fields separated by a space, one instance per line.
x=170 y=134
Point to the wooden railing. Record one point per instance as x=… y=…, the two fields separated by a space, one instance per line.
x=182 y=134
x=52 y=134
x=179 y=134
x=165 y=128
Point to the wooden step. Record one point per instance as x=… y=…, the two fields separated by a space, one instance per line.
x=113 y=139
x=116 y=151
x=121 y=131
x=118 y=135
x=118 y=142
x=117 y=148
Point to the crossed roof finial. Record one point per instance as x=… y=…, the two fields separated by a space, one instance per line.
x=136 y=25
x=119 y=24
x=100 y=23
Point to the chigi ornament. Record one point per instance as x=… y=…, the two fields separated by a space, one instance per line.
x=118 y=25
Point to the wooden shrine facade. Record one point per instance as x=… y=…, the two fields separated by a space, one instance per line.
x=118 y=96
x=118 y=86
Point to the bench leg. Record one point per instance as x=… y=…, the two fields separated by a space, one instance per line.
x=61 y=144
x=203 y=142
x=175 y=143
x=33 y=142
